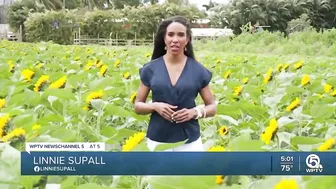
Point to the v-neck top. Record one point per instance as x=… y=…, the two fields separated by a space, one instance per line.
x=193 y=78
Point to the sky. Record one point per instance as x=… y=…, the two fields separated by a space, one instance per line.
x=199 y=3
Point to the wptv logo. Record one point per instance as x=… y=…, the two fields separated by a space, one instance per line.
x=314 y=164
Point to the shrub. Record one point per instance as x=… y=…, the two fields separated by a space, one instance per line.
x=102 y=24
x=51 y=26
x=19 y=11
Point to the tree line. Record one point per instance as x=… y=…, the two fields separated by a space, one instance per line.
x=98 y=17
x=274 y=13
x=40 y=23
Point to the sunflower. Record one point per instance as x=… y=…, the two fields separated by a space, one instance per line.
x=287 y=184
x=133 y=141
x=223 y=130
x=103 y=70
x=117 y=63
x=327 y=145
x=305 y=80
x=4 y=123
x=269 y=76
x=44 y=79
x=270 y=131
x=2 y=102
x=327 y=88
x=219 y=179
x=227 y=74
x=298 y=65
x=16 y=133
x=11 y=65
x=279 y=67
x=133 y=96
x=238 y=90
x=245 y=80
x=293 y=105
x=333 y=93
x=36 y=127
x=39 y=65
x=89 y=65
x=285 y=67
x=216 y=149
x=99 y=63
x=60 y=83
x=127 y=75
x=27 y=74
x=94 y=95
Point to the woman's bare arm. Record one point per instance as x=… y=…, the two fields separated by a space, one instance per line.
x=210 y=106
x=140 y=106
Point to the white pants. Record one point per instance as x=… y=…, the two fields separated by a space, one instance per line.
x=195 y=146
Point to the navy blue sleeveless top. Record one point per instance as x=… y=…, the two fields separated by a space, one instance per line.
x=194 y=77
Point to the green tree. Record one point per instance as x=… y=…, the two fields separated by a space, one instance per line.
x=318 y=12
x=19 y=11
x=120 y=4
x=51 y=4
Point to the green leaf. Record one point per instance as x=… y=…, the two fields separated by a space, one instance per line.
x=69 y=182
x=66 y=135
x=28 y=181
x=98 y=104
x=115 y=110
x=305 y=140
x=91 y=186
x=171 y=182
x=245 y=143
x=101 y=83
x=45 y=120
x=325 y=182
x=228 y=110
x=23 y=119
x=141 y=147
x=10 y=164
x=52 y=99
x=65 y=94
x=322 y=111
x=109 y=131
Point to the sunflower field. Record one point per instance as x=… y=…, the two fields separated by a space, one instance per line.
x=266 y=102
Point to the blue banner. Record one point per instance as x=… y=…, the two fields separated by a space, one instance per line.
x=178 y=163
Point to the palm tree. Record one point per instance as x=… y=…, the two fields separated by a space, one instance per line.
x=51 y=4
x=318 y=9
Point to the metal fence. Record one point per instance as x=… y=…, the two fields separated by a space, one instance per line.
x=78 y=39
x=96 y=40
x=87 y=40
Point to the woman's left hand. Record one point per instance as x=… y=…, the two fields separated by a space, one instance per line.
x=184 y=115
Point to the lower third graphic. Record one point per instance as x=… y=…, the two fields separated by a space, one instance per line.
x=314 y=164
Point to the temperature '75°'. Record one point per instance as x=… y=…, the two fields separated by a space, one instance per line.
x=286 y=167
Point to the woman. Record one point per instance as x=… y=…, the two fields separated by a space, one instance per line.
x=175 y=79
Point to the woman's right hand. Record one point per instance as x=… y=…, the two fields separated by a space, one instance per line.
x=164 y=109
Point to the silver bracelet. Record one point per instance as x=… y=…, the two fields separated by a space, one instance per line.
x=199 y=114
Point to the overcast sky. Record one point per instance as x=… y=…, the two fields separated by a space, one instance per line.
x=199 y=3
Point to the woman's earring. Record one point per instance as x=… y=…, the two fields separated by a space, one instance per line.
x=165 y=47
x=185 y=48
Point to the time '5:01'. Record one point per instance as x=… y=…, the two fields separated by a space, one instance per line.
x=287 y=158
